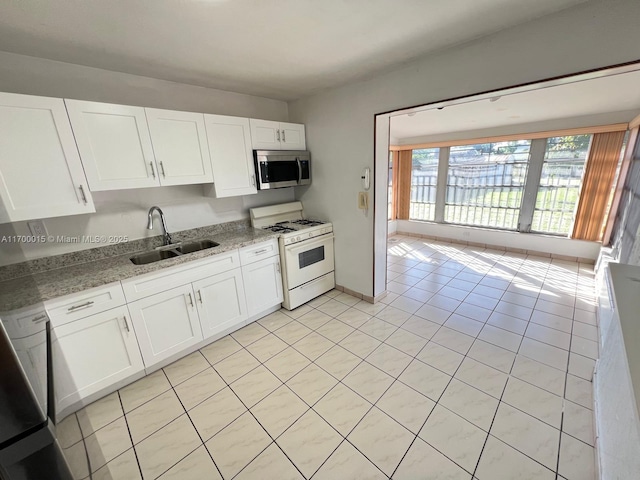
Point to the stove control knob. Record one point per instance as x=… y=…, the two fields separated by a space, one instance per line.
x=298 y=238
x=310 y=235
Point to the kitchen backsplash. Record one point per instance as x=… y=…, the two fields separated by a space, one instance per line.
x=122 y=214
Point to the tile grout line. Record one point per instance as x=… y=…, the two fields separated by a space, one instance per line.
x=362 y=359
x=186 y=412
x=310 y=407
x=273 y=440
x=173 y=420
x=521 y=340
x=228 y=385
x=133 y=447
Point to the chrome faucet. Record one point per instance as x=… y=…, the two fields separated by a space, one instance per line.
x=166 y=237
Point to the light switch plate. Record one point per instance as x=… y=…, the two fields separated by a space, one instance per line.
x=37 y=228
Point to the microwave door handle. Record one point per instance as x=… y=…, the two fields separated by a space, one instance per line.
x=299 y=170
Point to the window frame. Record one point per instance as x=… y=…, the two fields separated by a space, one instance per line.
x=535 y=166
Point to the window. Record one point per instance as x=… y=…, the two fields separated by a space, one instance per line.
x=540 y=185
x=559 y=190
x=424 y=178
x=485 y=183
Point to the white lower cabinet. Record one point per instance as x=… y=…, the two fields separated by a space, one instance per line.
x=221 y=302
x=166 y=323
x=100 y=340
x=92 y=354
x=263 y=284
x=32 y=352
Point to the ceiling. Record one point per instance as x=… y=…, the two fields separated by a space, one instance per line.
x=615 y=93
x=282 y=49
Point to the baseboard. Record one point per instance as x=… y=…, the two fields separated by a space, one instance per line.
x=362 y=296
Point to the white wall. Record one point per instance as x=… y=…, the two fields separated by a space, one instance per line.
x=37 y=76
x=340 y=122
x=538 y=243
x=123 y=212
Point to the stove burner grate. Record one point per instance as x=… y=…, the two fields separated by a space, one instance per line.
x=311 y=223
x=278 y=228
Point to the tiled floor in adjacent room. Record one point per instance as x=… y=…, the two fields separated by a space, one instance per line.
x=477 y=365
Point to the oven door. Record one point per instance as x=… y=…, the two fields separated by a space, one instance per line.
x=308 y=260
x=282 y=169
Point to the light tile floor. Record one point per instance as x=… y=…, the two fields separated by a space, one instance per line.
x=477 y=364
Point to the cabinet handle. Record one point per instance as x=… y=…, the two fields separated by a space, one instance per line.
x=39 y=318
x=153 y=170
x=253 y=180
x=199 y=296
x=278 y=267
x=162 y=170
x=126 y=324
x=190 y=299
x=84 y=196
x=82 y=305
x=283 y=139
x=278 y=134
x=258 y=252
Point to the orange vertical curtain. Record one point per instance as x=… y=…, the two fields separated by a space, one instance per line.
x=599 y=174
x=404 y=183
x=393 y=207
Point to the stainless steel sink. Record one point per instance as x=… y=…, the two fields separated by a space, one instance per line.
x=196 y=246
x=172 y=251
x=154 y=256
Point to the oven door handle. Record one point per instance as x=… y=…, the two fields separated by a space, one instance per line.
x=306 y=244
x=299 y=170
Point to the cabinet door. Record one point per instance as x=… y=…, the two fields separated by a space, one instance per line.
x=180 y=146
x=40 y=171
x=114 y=145
x=292 y=136
x=262 y=284
x=32 y=352
x=166 y=323
x=265 y=134
x=92 y=354
x=221 y=302
x=231 y=155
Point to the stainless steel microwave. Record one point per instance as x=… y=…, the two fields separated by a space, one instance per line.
x=282 y=168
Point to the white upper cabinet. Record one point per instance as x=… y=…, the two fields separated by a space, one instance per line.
x=268 y=135
x=41 y=174
x=231 y=155
x=180 y=146
x=114 y=144
x=292 y=136
x=265 y=135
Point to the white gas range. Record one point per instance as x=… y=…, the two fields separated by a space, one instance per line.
x=306 y=251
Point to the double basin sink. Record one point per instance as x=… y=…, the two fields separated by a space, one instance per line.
x=172 y=251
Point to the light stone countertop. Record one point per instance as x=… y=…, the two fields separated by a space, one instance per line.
x=625 y=281
x=44 y=279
